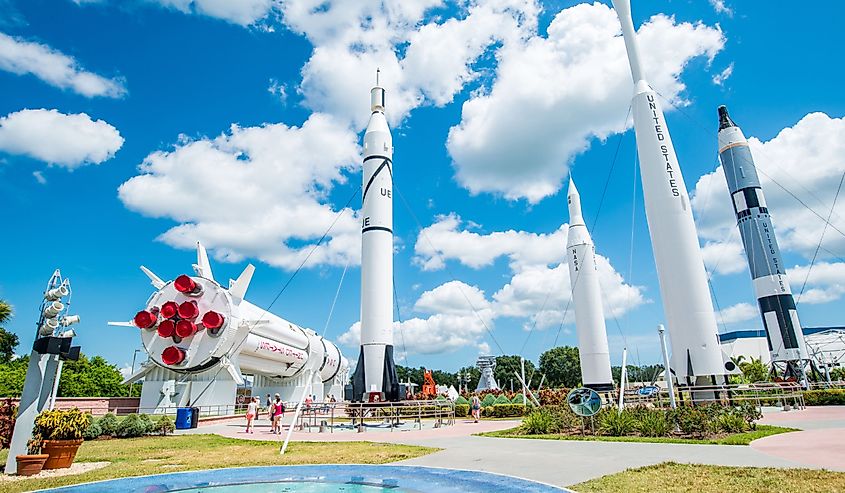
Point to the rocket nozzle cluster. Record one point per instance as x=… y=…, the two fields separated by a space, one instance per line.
x=178 y=321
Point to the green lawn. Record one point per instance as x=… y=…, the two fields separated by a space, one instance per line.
x=156 y=455
x=736 y=439
x=670 y=477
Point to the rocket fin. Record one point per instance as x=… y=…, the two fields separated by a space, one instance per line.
x=203 y=266
x=154 y=279
x=237 y=288
x=121 y=324
x=232 y=369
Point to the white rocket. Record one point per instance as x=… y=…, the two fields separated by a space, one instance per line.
x=586 y=296
x=677 y=255
x=376 y=371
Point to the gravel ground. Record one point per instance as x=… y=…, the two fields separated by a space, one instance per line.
x=75 y=468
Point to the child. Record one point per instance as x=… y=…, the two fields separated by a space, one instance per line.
x=251 y=413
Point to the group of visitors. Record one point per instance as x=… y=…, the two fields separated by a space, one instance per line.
x=275 y=412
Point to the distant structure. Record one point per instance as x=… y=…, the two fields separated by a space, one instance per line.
x=487 y=381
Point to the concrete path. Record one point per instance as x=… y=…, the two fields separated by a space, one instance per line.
x=821 y=444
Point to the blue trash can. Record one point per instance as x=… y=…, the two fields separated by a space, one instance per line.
x=184 y=418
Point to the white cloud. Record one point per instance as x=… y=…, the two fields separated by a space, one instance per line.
x=449 y=322
x=724 y=75
x=352 y=39
x=56 y=138
x=570 y=87
x=807 y=159
x=740 y=312
x=720 y=7
x=724 y=257
x=446 y=239
x=258 y=192
x=241 y=12
x=278 y=90
x=55 y=68
x=825 y=283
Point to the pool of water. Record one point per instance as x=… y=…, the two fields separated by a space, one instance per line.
x=346 y=478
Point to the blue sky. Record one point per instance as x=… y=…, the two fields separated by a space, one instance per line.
x=237 y=123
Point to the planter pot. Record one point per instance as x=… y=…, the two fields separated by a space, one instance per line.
x=30 y=465
x=61 y=452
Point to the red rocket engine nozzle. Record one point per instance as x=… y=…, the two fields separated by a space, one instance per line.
x=213 y=320
x=145 y=319
x=185 y=285
x=185 y=328
x=172 y=355
x=188 y=310
x=166 y=328
x=169 y=309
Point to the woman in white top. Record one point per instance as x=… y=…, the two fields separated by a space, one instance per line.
x=251 y=413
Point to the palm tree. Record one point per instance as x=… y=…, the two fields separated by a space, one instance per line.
x=5 y=311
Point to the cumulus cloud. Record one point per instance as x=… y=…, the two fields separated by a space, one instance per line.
x=422 y=60
x=571 y=87
x=55 y=68
x=824 y=283
x=241 y=12
x=740 y=312
x=724 y=75
x=452 y=316
x=56 y=138
x=803 y=162
x=258 y=192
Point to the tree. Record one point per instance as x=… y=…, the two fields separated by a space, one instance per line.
x=562 y=367
x=8 y=340
x=506 y=366
x=12 y=376
x=93 y=377
x=646 y=374
x=474 y=375
x=754 y=371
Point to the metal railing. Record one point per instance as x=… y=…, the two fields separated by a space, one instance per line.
x=761 y=394
x=328 y=416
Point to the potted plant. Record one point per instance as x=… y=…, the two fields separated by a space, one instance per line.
x=31 y=463
x=61 y=431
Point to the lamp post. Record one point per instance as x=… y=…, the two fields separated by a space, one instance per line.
x=134 y=354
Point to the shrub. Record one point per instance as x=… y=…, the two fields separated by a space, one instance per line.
x=504 y=410
x=553 y=397
x=653 y=423
x=461 y=410
x=461 y=400
x=616 y=424
x=149 y=426
x=61 y=424
x=165 y=425
x=824 y=397
x=108 y=424
x=517 y=399
x=502 y=399
x=94 y=430
x=8 y=412
x=488 y=400
x=539 y=422
x=692 y=420
x=131 y=426
x=731 y=423
x=749 y=412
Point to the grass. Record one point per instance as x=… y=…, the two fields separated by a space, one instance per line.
x=671 y=477
x=735 y=439
x=157 y=455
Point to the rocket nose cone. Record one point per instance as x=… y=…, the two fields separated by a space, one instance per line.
x=724 y=118
x=572 y=189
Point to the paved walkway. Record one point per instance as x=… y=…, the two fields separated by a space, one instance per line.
x=564 y=462
x=821 y=444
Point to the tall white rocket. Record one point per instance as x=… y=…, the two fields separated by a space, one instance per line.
x=677 y=255
x=586 y=297
x=376 y=371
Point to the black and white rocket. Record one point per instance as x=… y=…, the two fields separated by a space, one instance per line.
x=774 y=296
x=593 y=351
x=696 y=353
x=376 y=371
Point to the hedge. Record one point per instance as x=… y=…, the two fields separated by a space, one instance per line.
x=824 y=397
x=488 y=400
x=504 y=410
x=461 y=410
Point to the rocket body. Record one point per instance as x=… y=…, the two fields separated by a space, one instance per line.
x=774 y=295
x=677 y=254
x=376 y=371
x=586 y=296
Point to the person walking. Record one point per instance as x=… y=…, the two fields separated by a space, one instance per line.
x=251 y=413
x=476 y=408
x=278 y=414
x=269 y=405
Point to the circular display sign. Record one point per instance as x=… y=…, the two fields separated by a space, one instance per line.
x=583 y=401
